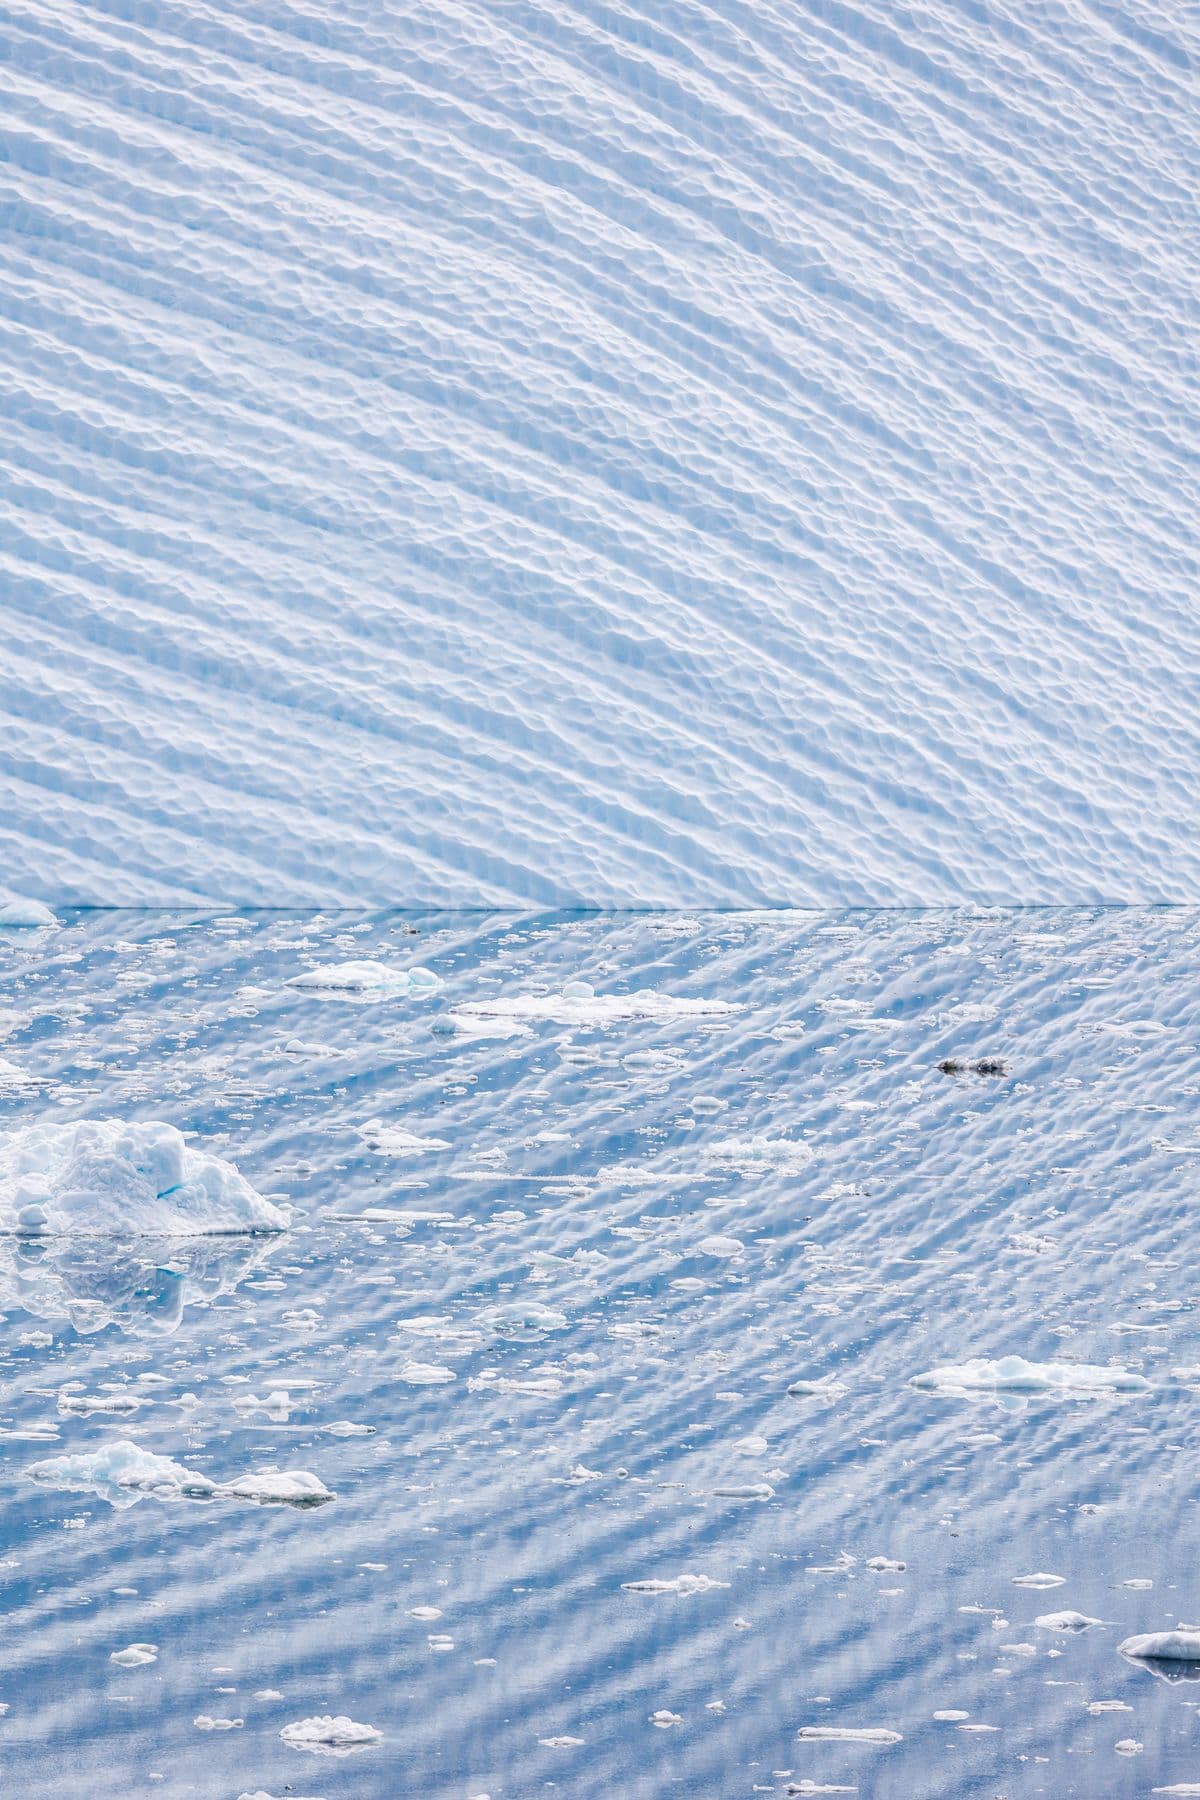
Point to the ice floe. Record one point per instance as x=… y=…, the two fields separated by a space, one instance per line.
x=1013 y=1375
x=25 y=915
x=393 y=1140
x=135 y=1656
x=111 y=1178
x=676 y=1584
x=330 y=1735
x=123 y=1473
x=1066 y=1621
x=850 y=1734
x=1038 y=1581
x=367 y=978
x=596 y=1010
x=1181 y=1647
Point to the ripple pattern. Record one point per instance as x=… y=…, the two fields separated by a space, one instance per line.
x=579 y=454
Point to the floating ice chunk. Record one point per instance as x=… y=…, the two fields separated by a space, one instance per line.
x=1179 y=1646
x=1182 y=1790
x=277 y=1487
x=12 y=1075
x=1127 y=1747
x=677 y=1584
x=886 y=1565
x=720 y=1246
x=759 y=1490
x=123 y=1473
x=393 y=1140
x=807 y=1786
x=577 y=990
x=106 y=1178
x=326 y=1735
x=371 y=978
x=1039 y=1581
x=84 y=1405
x=28 y=915
x=596 y=1010
x=419 y=1374
x=849 y=1734
x=1066 y=1621
x=664 y=1720
x=205 y=1723
x=827 y=1387
x=561 y=1743
x=547 y=1387
x=1013 y=1375
x=521 y=1316
x=950 y=1715
x=262 y=1794
x=135 y=1656
x=755 y=1155
x=426 y=1613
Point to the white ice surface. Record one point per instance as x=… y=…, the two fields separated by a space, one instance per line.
x=109 y=1177
x=485 y=454
x=18 y=914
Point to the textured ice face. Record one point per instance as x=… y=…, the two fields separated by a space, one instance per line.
x=109 y=1178
x=330 y=1735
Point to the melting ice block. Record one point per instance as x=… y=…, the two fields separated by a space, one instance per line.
x=27 y=915
x=110 y=1178
x=367 y=978
x=123 y=1473
x=329 y=1735
x=1013 y=1375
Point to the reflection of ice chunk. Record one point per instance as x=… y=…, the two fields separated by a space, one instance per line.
x=596 y=1010
x=28 y=915
x=123 y=1473
x=393 y=1140
x=1013 y=1375
x=107 y=1178
x=367 y=978
x=676 y=1584
x=327 y=1735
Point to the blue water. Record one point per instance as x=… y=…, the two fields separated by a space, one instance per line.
x=1048 y=1211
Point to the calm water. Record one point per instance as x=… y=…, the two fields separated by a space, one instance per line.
x=633 y=1235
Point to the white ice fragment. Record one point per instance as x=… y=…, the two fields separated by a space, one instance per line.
x=124 y=1473
x=1181 y=1645
x=393 y=1140
x=885 y=1565
x=676 y=1584
x=720 y=1246
x=561 y=1743
x=427 y=1613
x=951 y=1715
x=1127 y=1747
x=522 y=1315
x=327 y=1735
x=1065 y=1621
x=755 y=1155
x=595 y=1010
x=850 y=1734
x=135 y=1656
x=205 y=1723
x=664 y=1720
x=420 y=1374
x=29 y=915
x=109 y=1178
x=577 y=990
x=366 y=978
x=1012 y=1374
x=1038 y=1581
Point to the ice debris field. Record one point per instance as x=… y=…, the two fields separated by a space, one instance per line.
x=702 y=1378
x=575 y=454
